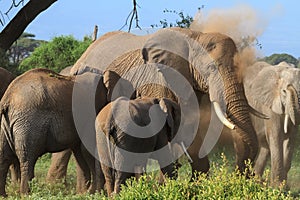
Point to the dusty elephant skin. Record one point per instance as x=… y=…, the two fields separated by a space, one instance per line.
x=6 y=78
x=112 y=139
x=36 y=117
x=204 y=59
x=59 y=161
x=275 y=91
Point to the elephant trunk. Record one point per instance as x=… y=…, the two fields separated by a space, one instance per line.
x=292 y=110
x=245 y=140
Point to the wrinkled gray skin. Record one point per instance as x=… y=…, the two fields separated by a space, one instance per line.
x=110 y=136
x=275 y=91
x=5 y=78
x=36 y=117
x=206 y=71
x=59 y=161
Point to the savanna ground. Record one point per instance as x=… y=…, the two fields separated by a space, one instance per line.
x=222 y=183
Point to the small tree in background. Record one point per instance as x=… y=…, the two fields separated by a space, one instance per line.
x=22 y=48
x=57 y=54
x=275 y=59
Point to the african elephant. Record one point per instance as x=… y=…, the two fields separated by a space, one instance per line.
x=59 y=160
x=6 y=77
x=204 y=60
x=275 y=91
x=36 y=117
x=115 y=140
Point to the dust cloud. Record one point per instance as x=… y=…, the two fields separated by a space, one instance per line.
x=242 y=23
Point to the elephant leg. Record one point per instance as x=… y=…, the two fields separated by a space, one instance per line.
x=108 y=173
x=5 y=161
x=4 y=165
x=288 y=149
x=199 y=165
x=27 y=173
x=100 y=179
x=90 y=160
x=59 y=165
x=120 y=178
x=275 y=138
x=170 y=171
x=261 y=161
x=82 y=171
x=15 y=171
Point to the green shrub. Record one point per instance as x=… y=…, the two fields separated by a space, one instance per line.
x=222 y=182
x=57 y=54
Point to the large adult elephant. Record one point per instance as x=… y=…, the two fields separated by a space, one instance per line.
x=204 y=60
x=59 y=160
x=36 y=117
x=275 y=91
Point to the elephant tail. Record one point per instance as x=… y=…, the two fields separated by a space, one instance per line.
x=6 y=128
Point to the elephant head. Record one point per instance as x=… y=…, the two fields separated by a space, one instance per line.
x=280 y=92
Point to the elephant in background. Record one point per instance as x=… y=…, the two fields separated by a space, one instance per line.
x=275 y=91
x=205 y=60
x=114 y=141
x=36 y=117
x=5 y=78
x=59 y=161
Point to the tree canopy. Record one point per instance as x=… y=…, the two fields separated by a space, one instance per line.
x=56 y=54
x=275 y=59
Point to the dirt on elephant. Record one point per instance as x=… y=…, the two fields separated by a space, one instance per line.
x=242 y=23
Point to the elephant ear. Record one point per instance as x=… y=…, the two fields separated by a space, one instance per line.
x=172 y=111
x=262 y=82
x=161 y=49
x=117 y=86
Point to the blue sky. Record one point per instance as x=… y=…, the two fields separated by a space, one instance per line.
x=281 y=34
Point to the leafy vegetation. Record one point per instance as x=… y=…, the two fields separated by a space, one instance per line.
x=56 y=54
x=223 y=182
x=275 y=59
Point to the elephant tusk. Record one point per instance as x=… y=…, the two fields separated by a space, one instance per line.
x=286 y=121
x=258 y=114
x=222 y=117
x=186 y=153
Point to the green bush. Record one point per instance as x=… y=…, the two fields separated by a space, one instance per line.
x=222 y=182
x=56 y=54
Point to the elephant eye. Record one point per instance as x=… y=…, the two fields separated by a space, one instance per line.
x=284 y=92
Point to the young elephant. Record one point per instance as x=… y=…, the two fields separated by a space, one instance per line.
x=129 y=131
x=36 y=117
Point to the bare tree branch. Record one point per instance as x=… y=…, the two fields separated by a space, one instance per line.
x=23 y=18
x=132 y=15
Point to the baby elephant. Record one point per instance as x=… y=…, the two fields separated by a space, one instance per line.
x=128 y=132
